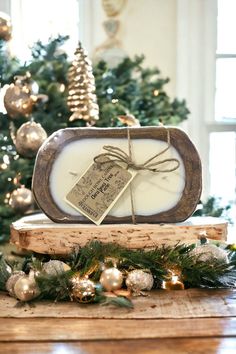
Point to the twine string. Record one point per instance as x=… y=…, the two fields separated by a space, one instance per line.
x=153 y=164
x=116 y=154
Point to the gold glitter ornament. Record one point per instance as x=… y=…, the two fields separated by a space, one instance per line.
x=82 y=99
x=25 y=288
x=11 y=281
x=111 y=279
x=207 y=252
x=83 y=290
x=21 y=200
x=29 y=138
x=138 y=280
x=18 y=101
x=55 y=267
x=5 y=27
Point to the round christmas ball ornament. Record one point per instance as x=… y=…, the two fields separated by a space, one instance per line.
x=25 y=288
x=5 y=27
x=111 y=279
x=18 y=101
x=55 y=267
x=207 y=252
x=11 y=281
x=138 y=280
x=29 y=138
x=83 y=290
x=21 y=200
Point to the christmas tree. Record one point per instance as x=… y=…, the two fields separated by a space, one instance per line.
x=125 y=89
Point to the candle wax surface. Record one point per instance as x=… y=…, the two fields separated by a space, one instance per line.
x=152 y=192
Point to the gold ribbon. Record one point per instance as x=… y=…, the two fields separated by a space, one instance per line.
x=115 y=154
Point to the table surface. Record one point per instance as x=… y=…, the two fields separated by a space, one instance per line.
x=189 y=321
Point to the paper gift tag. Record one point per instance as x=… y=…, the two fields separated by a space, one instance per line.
x=98 y=189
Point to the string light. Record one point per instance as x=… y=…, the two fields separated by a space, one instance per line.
x=156 y=92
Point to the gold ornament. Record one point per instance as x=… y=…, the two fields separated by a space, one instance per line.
x=138 y=280
x=5 y=27
x=55 y=267
x=18 y=101
x=111 y=279
x=206 y=251
x=11 y=281
x=173 y=284
x=29 y=138
x=83 y=290
x=82 y=100
x=25 y=288
x=21 y=200
x=129 y=120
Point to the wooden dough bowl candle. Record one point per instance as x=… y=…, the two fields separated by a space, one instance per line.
x=158 y=197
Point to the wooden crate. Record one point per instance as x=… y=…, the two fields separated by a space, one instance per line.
x=39 y=234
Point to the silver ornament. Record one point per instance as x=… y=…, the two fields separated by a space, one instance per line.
x=11 y=281
x=26 y=289
x=207 y=252
x=138 y=280
x=55 y=267
x=111 y=279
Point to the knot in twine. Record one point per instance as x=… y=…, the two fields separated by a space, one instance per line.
x=116 y=154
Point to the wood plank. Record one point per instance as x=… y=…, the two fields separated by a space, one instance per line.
x=192 y=303
x=39 y=234
x=142 y=346
x=65 y=329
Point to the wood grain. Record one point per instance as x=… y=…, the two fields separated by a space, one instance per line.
x=138 y=346
x=51 y=329
x=161 y=304
x=56 y=142
x=37 y=233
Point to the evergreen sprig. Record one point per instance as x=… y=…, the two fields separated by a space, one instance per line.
x=161 y=262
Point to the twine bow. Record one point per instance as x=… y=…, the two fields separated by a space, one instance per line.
x=116 y=154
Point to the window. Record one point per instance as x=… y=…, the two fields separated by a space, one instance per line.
x=206 y=78
x=38 y=20
x=222 y=130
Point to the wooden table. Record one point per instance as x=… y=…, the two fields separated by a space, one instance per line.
x=189 y=321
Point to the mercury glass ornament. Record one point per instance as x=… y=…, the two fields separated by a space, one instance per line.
x=83 y=290
x=29 y=138
x=25 y=288
x=18 y=101
x=12 y=281
x=207 y=252
x=111 y=279
x=21 y=200
x=55 y=267
x=138 y=280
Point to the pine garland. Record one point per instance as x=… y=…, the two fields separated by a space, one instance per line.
x=88 y=260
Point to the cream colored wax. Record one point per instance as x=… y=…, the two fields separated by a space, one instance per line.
x=152 y=192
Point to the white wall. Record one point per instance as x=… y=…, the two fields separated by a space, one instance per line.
x=147 y=27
